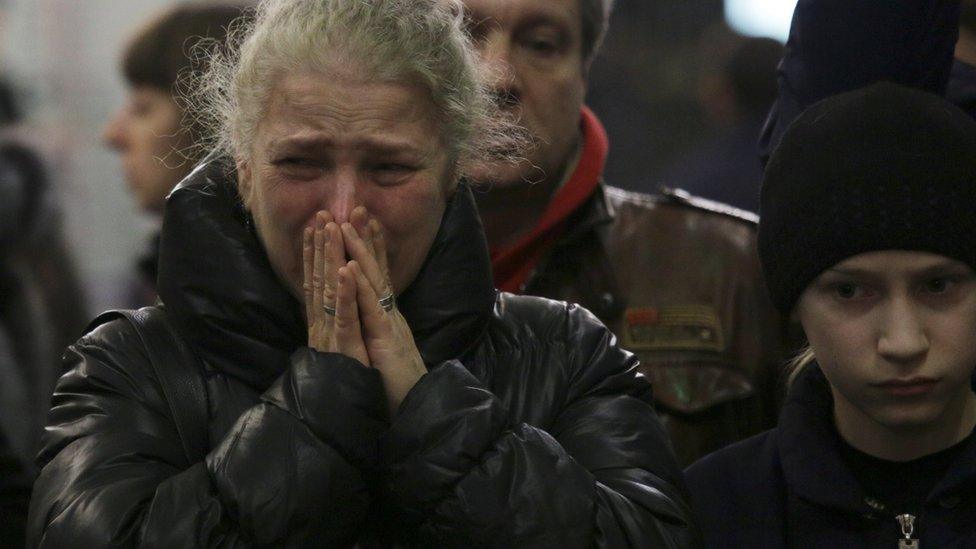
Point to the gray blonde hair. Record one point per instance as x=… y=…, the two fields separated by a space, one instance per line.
x=798 y=364
x=404 y=41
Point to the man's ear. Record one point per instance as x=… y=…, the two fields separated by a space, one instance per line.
x=245 y=182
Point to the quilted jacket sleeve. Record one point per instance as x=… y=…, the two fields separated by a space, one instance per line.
x=841 y=45
x=114 y=474
x=600 y=474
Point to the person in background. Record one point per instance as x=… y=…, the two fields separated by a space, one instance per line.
x=866 y=238
x=42 y=309
x=674 y=276
x=736 y=89
x=360 y=382
x=962 y=82
x=157 y=143
x=842 y=45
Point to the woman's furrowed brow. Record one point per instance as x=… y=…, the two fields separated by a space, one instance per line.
x=377 y=145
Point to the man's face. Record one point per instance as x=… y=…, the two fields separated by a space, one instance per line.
x=533 y=50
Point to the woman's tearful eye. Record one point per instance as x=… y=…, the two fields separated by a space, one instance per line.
x=298 y=167
x=391 y=173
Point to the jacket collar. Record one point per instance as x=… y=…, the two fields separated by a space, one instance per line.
x=810 y=451
x=810 y=448
x=596 y=214
x=217 y=284
x=584 y=250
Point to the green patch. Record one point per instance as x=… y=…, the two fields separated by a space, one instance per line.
x=674 y=328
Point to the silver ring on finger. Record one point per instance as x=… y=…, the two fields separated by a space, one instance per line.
x=388 y=302
x=329 y=310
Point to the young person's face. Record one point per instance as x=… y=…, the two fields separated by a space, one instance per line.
x=895 y=334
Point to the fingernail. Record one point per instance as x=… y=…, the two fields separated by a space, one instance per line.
x=319 y=222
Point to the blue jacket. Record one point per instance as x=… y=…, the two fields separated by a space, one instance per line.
x=841 y=45
x=789 y=487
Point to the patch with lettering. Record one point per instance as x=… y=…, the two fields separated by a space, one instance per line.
x=673 y=328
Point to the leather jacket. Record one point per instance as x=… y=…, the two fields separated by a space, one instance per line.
x=532 y=428
x=678 y=279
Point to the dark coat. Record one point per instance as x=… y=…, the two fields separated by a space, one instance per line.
x=532 y=427
x=790 y=487
x=41 y=311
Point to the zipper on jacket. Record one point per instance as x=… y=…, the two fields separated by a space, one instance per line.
x=907 y=523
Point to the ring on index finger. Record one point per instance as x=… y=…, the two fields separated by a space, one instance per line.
x=388 y=302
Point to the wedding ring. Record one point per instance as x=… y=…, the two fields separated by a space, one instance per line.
x=388 y=302
x=329 y=310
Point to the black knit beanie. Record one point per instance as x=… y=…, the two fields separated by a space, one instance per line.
x=880 y=168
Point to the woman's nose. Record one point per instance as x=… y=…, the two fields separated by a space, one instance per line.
x=903 y=337
x=344 y=195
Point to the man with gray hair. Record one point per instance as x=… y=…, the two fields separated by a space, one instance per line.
x=675 y=277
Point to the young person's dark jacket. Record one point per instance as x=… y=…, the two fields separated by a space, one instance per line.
x=532 y=427
x=791 y=487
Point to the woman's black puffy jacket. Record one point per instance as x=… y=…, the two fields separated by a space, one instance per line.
x=532 y=427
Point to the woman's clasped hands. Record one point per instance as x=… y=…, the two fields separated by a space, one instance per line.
x=349 y=303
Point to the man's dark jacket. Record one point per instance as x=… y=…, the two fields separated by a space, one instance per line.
x=790 y=487
x=532 y=428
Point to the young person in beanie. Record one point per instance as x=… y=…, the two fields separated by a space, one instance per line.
x=866 y=238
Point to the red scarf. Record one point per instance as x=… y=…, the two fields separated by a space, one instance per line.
x=513 y=266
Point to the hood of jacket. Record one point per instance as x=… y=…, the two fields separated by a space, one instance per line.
x=219 y=289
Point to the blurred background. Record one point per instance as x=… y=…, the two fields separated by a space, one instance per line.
x=677 y=85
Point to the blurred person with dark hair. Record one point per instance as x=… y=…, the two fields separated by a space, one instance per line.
x=41 y=310
x=157 y=142
x=736 y=95
x=675 y=277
